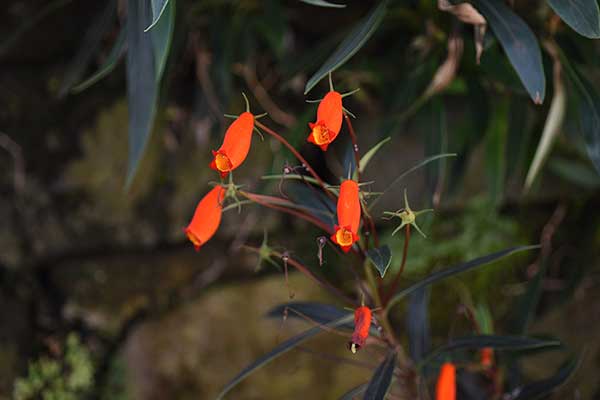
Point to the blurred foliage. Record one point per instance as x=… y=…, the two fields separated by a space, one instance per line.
x=68 y=377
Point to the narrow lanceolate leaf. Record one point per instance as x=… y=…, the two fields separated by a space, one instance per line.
x=553 y=124
x=162 y=35
x=381 y=257
x=540 y=389
x=353 y=42
x=89 y=46
x=589 y=110
x=581 y=15
x=158 y=9
x=417 y=322
x=364 y=160
x=382 y=378
x=112 y=60
x=493 y=341
x=323 y=3
x=280 y=349
x=354 y=392
x=457 y=269
x=519 y=43
x=146 y=57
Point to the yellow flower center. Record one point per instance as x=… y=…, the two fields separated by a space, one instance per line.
x=195 y=241
x=222 y=162
x=344 y=237
x=321 y=134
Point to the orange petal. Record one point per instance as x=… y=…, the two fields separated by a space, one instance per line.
x=348 y=206
x=207 y=217
x=238 y=138
x=446 y=384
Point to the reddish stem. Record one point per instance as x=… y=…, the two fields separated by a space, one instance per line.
x=297 y=155
x=268 y=201
x=396 y=281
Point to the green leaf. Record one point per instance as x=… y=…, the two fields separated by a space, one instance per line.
x=381 y=257
x=495 y=151
x=352 y=393
x=162 y=35
x=457 y=269
x=575 y=172
x=89 y=45
x=364 y=160
x=581 y=15
x=519 y=43
x=323 y=3
x=417 y=323
x=280 y=349
x=589 y=110
x=541 y=389
x=494 y=341
x=158 y=8
x=382 y=378
x=353 y=42
x=407 y=172
x=109 y=64
x=146 y=57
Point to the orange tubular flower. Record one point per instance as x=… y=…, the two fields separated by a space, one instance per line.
x=487 y=357
x=235 y=146
x=362 y=323
x=348 y=214
x=207 y=217
x=446 y=384
x=329 y=121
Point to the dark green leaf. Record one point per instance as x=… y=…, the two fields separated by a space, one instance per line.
x=312 y=200
x=581 y=15
x=541 y=389
x=494 y=341
x=578 y=173
x=417 y=322
x=589 y=110
x=381 y=257
x=457 y=269
x=161 y=37
x=495 y=151
x=323 y=3
x=528 y=301
x=352 y=393
x=281 y=349
x=109 y=64
x=89 y=45
x=158 y=8
x=146 y=57
x=519 y=43
x=381 y=379
x=353 y=42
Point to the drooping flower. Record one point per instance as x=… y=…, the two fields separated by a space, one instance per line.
x=362 y=324
x=236 y=145
x=348 y=214
x=329 y=120
x=487 y=357
x=207 y=217
x=446 y=383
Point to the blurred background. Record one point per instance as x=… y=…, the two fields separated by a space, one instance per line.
x=101 y=294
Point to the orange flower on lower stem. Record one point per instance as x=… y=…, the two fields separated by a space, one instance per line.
x=446 y=384
x=329 y=120
x=487 y=357
x=348 y=214
x=362 y=324
x=236 y=145
x=207 y=217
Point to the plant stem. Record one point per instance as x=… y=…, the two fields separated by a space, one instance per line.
x=297 y=155
x=354 y=145
x=396 y=281
x=324 y=284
